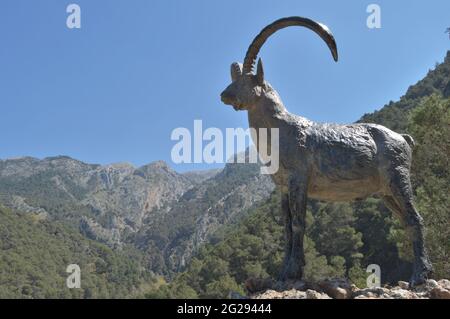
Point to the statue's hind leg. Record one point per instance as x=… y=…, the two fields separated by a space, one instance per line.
x=400 y=202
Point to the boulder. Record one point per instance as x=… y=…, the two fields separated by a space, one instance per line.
x=403 y=285
x=288 y=294
x=444 y=283
x=440 y=293
x=337 y=288
x=342 y=289
x=312 y=294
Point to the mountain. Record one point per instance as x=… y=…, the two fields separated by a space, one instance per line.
x=166 y=214
x=108 y=200
x=395 y=114
x=198 y=177
x=201 y=211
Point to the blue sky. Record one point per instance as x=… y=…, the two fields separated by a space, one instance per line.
x=115 y=89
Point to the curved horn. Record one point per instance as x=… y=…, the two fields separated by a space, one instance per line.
x=321 y=29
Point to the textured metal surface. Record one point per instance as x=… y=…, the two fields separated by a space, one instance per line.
x=327 y=161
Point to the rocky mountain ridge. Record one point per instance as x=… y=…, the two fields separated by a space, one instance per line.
x=112 y=196
x=204 y=209
x=160 y=211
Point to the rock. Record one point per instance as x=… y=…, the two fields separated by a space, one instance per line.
x=337 y=288
x=444 y=283
x=440 y=293
x=312 y=294
x=294 y=294
x=353 y=288
x=368 y=295
x=268 y=294
x=342 y=289
x=376 y=292
x=434 y=289
x=425 y=288
x=431 y=283
x=289 y=294
x=399 y=293
x=403 y=285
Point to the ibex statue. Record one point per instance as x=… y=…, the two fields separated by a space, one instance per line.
x=328 y=162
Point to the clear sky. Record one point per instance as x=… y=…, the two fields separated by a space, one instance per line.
x=115 y=89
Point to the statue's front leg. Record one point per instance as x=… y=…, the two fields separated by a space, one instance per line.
x=287 y=220
x=297 y=206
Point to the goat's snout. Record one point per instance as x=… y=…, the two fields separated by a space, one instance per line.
x=226 y=97
x=229 y=98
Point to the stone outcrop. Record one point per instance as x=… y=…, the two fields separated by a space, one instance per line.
x=342 y=289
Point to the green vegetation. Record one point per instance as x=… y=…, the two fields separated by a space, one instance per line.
x=254 y=249
x=35 y=253
x=172 y=231
x=430 y=126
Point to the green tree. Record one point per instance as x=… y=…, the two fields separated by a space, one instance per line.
x=334 y=234
x=222 y=287
x=430 y=126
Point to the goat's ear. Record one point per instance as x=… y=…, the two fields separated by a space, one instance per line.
x=236 y=71
x=260 y=73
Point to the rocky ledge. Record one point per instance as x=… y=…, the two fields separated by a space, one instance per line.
x=342 y=289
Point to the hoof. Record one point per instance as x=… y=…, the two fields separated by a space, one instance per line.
x=291 y=272
x=420 y=276
x=417 y=280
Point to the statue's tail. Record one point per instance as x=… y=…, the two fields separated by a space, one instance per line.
x=409 y=140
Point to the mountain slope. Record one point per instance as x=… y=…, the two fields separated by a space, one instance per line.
x=107 y=201
x=163 y=213
x=395 y=114
x=204 y=209
x=198 y=177
x=35 y=253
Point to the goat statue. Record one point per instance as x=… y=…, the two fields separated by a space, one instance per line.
x=327 y=162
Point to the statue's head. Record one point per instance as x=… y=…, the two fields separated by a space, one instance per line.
x=248 y=87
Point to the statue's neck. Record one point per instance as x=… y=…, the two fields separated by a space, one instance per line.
x=267 y=112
